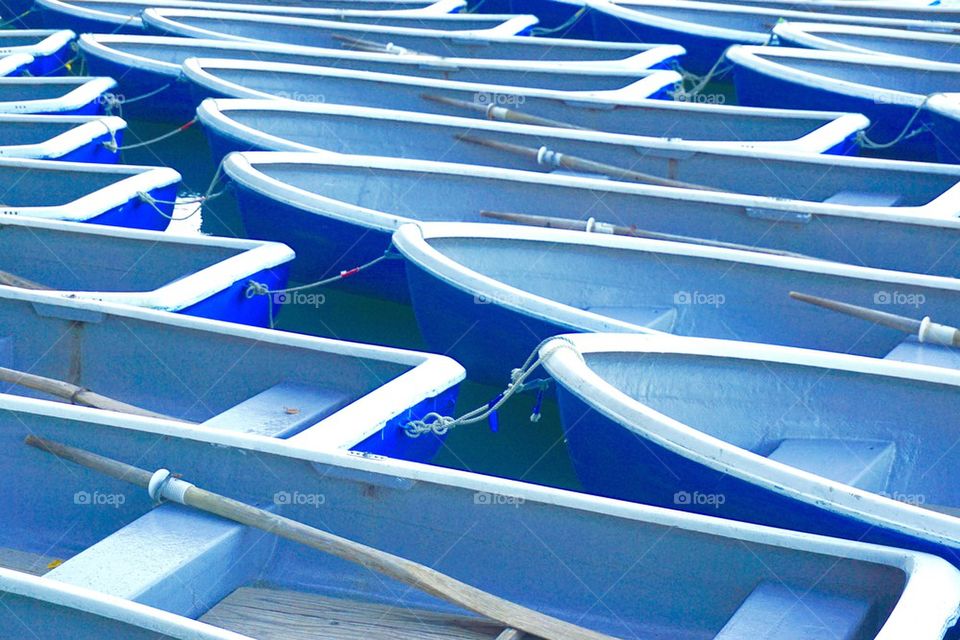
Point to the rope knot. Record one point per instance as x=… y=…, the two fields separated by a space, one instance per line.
x=255 y=288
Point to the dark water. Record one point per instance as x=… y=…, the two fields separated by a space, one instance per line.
x=534 y=452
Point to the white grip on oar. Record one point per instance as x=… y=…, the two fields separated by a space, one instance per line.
x=165 y=486
x=934 y=333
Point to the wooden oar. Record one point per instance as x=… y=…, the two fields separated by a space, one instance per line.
x=12 y=280
x=370 y=46
x=412 y=573
x=620 y=230
x=496 y=112
x=546 y=156
x=73 y=394
x=926 y=330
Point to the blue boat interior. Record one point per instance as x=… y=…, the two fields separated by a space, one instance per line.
x=266 y=388
x=816 y=419
x=54 y=187
x=788 y=176
x=910 y=79
x=20 y=90
x=77 y=528
x=34 y=132
x=272 y=31
x=654 y=118
x=937 y=51
x=75 y=262
x=460 y=195
x=695 y=295
x=320 y=88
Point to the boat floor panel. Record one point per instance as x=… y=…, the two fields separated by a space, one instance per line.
x=32 y=563
x=271 y=614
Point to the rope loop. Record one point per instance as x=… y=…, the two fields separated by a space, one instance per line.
x=439 y=425
x=905 y=134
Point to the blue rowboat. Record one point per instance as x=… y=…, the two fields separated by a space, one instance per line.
x=323 y=206
x=935 y=47
x=228 y=378
x=109 y=194
x=504 y=288
x=15 y=64
x=64 y=96
x=51 y=49
x=150 y=66
x=810 y=440
x=206 y=578
x=704 y=29
x=487 y=44
x=890 y=91
x=898 y=10
x=123 y=16
x=198 y=23
x=274 y=125
x=590 y=99
x=194 y=275
x=66 y=138
x=942 y=115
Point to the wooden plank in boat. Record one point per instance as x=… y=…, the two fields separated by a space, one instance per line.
x=271 y=614
x=32 y=563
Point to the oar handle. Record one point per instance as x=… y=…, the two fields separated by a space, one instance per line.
x=926 y=330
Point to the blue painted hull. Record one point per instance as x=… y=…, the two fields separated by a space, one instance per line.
x=324 y=246
x=233 y=305
x=946 y=133
x=557 y=19
x=488 y=339
x=393 y=442
x=615 y=463
x=888 y=120
x=49 y=19
x=139 y=214
x=174 y=102
x=54 y=64
x=94 y=151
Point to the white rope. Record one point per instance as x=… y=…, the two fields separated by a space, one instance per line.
x=700 y=82
x=255 y=288
x=112 y=145
x=199 y=200
x=439 y=424
x=905 y=133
